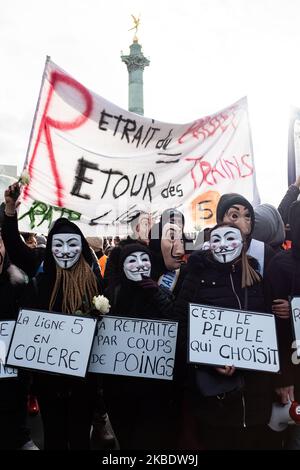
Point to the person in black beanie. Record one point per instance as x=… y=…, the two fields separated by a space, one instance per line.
x=141 y=410
x=228 y=408
x=235 y=208
x=146 y=297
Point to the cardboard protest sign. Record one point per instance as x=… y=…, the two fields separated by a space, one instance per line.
x=222 y=336
x=134 y=347
x=6 y=331
x=52 y=342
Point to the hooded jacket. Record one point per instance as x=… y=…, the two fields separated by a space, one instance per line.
x=269 y=227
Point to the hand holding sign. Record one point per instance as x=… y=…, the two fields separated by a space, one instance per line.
x=281 y=308
x=226 y=370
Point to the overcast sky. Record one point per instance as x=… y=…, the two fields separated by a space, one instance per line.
x=205 y=55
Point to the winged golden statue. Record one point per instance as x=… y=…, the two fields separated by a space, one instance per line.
x=136 y=22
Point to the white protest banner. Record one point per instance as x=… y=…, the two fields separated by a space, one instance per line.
x=52 y=342
x=98 y=164
x=6 y=331
x=221 y=336
x=134 y=347
x=295 y=308
x=294 y=145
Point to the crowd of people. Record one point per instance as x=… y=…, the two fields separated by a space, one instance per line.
x=249 y=261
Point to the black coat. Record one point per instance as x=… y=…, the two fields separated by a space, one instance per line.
x=211 y=283
x=131 y=300
x=28 y=259
x=13 y=391
x=286 y=202
x=283 y=281
x=9 y=295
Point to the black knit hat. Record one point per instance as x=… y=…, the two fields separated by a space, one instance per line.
x=172 y=216
x=155 y=235
x=168 y=216
x=63 y=225
x=228 y=200
x=132 y=248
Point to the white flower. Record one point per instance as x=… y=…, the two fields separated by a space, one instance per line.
x=24 y=178
x=101 y=303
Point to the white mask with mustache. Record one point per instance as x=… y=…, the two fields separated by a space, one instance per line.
x=136 y=265
x=226 y=244
x=66 y=249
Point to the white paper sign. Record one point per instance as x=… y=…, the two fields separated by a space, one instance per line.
x=135 y=347
x=221 y=336
x=295 y=307
x=52 y=342
x=6 y=330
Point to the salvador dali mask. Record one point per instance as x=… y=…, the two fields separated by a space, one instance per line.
x=172 y=246
x=66 y=249
x=240 y=216
x=226 y=244
x=136 y=265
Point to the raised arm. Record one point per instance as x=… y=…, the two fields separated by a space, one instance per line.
x=19 y=253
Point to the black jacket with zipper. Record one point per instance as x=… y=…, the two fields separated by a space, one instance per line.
x=211 y=283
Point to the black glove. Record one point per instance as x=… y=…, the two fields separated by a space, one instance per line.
x=147 y=283
x=14 y=191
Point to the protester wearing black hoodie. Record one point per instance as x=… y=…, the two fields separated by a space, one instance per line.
x=142 y=410
x=66 y=403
